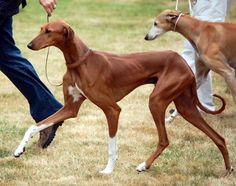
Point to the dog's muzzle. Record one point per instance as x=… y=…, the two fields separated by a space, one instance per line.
x=146 y=37
x=149 y=38
x=30 y=46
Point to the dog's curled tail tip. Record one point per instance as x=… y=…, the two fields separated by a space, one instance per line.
x=222 y=108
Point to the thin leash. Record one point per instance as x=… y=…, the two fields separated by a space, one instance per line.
x=176 y=22
x=46 y=64
x=189 y=4
x=177 y=7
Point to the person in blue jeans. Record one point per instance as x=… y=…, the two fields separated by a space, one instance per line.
x=21 y=72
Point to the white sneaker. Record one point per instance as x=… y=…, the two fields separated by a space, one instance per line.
x=173 y=115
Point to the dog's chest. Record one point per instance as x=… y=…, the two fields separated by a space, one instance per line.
x=73 y=91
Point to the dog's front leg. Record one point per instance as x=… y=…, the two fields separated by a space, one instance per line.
x=201 y=72
x=29 y=133
x=112 y=155
x=112 y=115
x=73 y=101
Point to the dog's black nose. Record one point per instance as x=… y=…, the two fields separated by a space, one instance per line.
x=146 y=37
x=30 y=45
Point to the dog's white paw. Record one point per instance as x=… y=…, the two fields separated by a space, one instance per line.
x=21 y=148
x=141 y=167
x=172 y=116
x=106 y=171
x=169 y=119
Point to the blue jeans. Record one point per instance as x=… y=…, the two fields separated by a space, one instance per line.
x=22 y=74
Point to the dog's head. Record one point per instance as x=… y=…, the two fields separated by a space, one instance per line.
x=163 y=23
x=52 y=34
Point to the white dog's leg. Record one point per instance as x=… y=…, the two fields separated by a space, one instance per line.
x=112 y=152
x=29 y=133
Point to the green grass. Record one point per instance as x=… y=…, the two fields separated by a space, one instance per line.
x=79 y=150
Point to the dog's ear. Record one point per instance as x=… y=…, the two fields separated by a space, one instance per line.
x=172 y=16
x=68 y=32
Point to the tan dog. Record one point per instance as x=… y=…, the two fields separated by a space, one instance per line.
x=106 y=78
x=215 y=44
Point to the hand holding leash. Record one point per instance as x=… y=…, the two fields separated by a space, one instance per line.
x=49 y=5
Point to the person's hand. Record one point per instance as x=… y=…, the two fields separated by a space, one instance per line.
x=48 y=5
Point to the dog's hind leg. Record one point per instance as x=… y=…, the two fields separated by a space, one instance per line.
x=218 y=63
x=188 y=110
x=230 y=79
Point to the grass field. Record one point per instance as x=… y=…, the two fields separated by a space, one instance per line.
x=79 y=150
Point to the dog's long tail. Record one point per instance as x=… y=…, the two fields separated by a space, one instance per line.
x=198 y=103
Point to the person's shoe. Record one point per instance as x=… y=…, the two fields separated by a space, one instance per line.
x=173 y=115
x=47 y=135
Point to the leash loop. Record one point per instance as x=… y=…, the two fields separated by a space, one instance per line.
x=176 y=22
x=46 y=64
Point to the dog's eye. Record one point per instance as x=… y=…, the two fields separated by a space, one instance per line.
x=155 y=24
x=47 y=31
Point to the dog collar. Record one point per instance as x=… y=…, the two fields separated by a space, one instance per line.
x=177 y=20
x=77 y=63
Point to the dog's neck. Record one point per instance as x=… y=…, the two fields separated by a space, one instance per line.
x=177 y=20
x=188 y=27
x=75 y=52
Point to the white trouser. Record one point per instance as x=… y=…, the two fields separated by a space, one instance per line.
x=205 y=90
x=210 y=10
